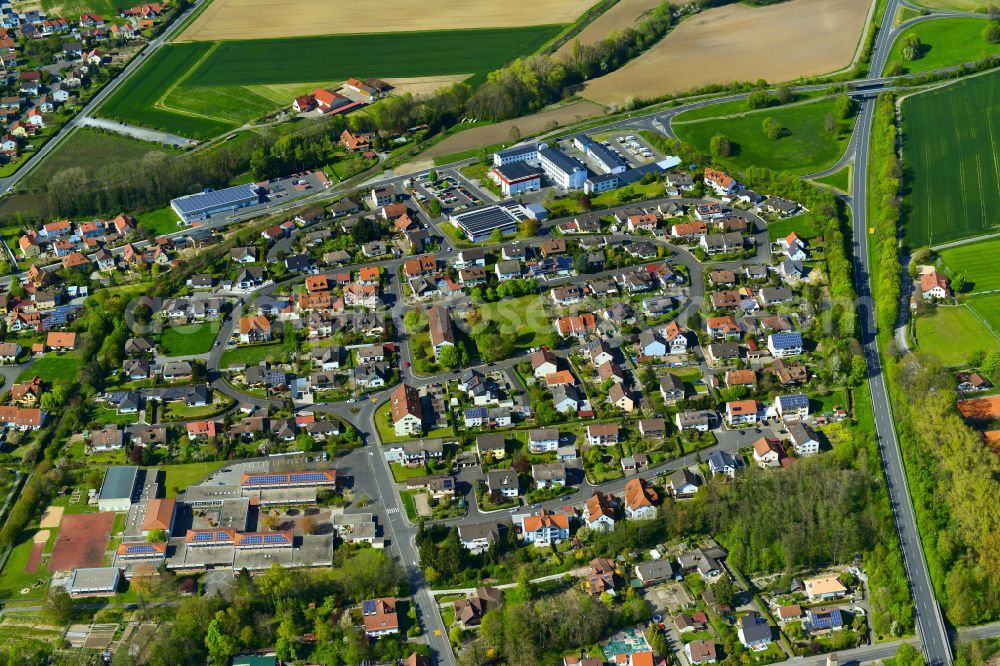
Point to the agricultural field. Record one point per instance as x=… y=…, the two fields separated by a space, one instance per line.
x=953 y=334
x=803 y=147
x=202 y=89
x=951 y=159
x=623 y=15
x=987 y=306
x=944 y=42
x=977 y=261
x=73 y=8
x=739 y=43
x=326 y=58
x=139 y=100
x=235 y=19
x=87 y=147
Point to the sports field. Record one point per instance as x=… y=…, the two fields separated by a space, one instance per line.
x=951 y=161
x=236 y=19
x=945 y=42
x=804 y=145
x=82 y=541
x=778 y=42
x=978 y=262
x=202 y=89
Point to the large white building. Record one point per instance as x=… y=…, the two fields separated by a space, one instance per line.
x=561 y=169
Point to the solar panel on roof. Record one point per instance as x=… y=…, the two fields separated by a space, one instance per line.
x=202 y=536
x=141 y=548
x=275 y=538
x=251 y=539
x=194 y=203
x=308 y=476
x=221 y=536
x=368 y=607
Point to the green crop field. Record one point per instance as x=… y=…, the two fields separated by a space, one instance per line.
x=202 y=89
x=136 y=101
x=987 y=306
x=386 y=55
x=804 y=147
x=977 y=261
x=945 y=42
x=951 y=161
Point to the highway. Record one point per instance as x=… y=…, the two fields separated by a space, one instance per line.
x=930 y=623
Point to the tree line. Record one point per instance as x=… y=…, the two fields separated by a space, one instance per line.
x=954 y=480
x=528 y=84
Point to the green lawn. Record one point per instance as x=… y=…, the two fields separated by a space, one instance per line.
x=178 y=411
x=977 y=261
x=189 y=339
x=253 y=354
x=62 y=367
x=178 y=477
x=951 y=153
x=838 y=179
x=401 y=472
x=160 y=222
x=527 y=317
x=953 y=334
x=734 y=107
x=13 y=577
x=945 y=42
x=804 y=147
x=409 y=505
x=805 y=225
x=111 y=416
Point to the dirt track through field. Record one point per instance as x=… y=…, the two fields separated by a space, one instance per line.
x=738 y=43
x=623 y=15
x=255 y=19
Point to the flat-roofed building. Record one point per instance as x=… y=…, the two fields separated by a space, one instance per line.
x=203 y=205
x=118 y=488
x=96 y=582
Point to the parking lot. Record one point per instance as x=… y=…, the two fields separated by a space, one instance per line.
x=454 y=191
x=633 y=149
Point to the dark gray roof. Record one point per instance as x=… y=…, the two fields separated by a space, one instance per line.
x=119 y=482
x=560 y=160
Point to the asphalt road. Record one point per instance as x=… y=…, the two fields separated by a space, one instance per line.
x=930 y=623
